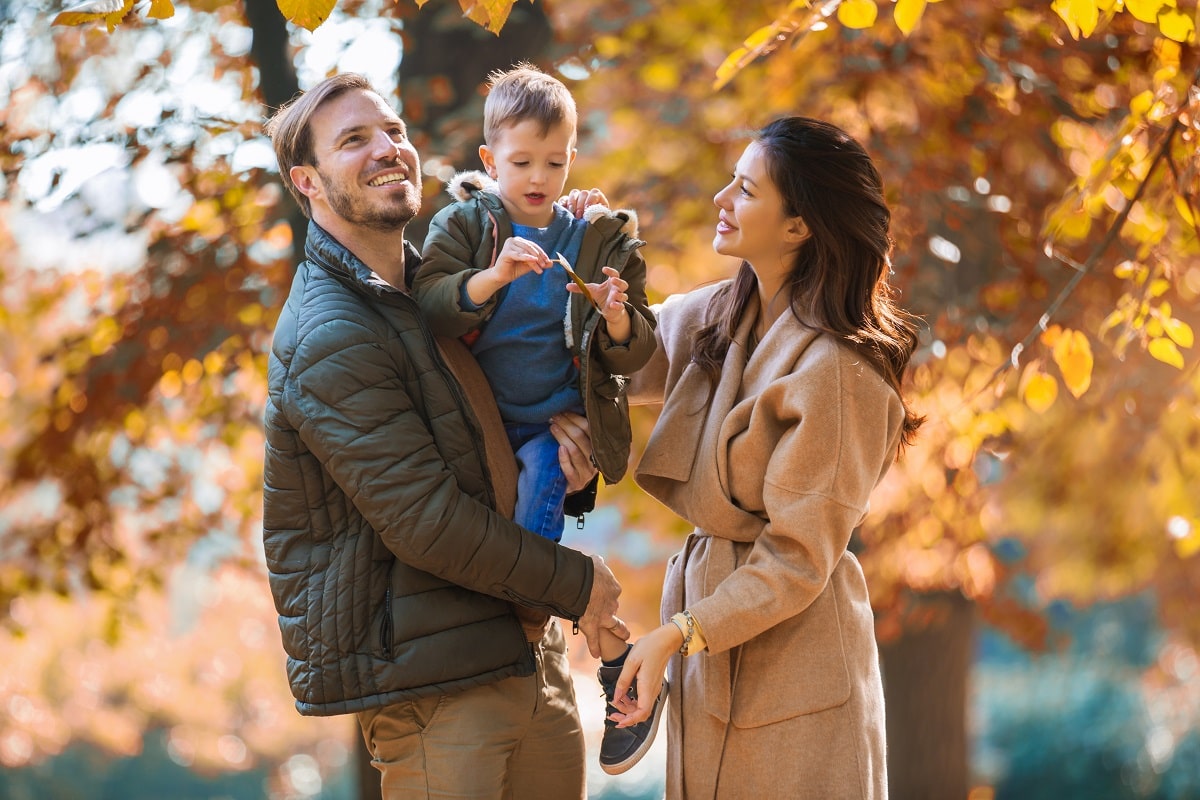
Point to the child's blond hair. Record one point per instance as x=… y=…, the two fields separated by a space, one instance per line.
x=526 y=93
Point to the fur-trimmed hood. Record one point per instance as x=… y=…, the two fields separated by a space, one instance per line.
x=464 y=184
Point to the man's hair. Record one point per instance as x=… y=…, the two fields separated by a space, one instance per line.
x=291 y=133
x=525 y=93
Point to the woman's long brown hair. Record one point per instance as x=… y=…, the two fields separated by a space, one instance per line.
x=839 y=281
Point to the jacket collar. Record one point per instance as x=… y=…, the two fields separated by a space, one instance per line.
x=332 y=256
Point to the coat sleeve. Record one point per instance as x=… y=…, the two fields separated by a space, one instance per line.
x=837 y=426
x=447 y=263
x=628 y=357
x=351 y=408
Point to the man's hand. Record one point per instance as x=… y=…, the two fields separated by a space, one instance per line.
x=602 y=607
x=574 y=449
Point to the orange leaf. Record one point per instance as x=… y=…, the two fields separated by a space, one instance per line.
x=111 y=11
x=161 y=9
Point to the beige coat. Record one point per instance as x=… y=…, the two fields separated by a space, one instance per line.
x=774 y=470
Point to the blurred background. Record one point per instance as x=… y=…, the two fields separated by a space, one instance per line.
x=1032 y=559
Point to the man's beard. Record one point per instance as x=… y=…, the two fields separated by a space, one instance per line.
x=387 y=217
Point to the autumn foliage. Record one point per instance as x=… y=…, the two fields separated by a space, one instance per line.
x=1043 y=166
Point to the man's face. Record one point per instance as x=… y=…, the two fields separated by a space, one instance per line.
x=366 y=171
x=531 y=169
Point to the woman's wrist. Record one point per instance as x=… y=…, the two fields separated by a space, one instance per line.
x=692 y=640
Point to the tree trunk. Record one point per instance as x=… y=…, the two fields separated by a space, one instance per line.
x=925 y=690
x=277 y=81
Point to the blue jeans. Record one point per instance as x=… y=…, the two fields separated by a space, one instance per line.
x=541 y=485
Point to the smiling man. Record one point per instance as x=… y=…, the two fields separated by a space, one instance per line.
x=405 y=595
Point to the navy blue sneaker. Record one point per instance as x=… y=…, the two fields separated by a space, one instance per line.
x=621 y=748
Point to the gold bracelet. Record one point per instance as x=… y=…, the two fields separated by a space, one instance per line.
x=687 y=626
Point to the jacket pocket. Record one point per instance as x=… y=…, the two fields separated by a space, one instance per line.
x=797 y=667
x=385 y=624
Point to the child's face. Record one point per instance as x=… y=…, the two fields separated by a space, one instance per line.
x=531 y=169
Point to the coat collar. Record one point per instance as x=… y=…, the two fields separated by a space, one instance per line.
x=687 y=454
x=331 y=255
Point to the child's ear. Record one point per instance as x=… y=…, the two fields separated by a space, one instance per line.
x=489 y=160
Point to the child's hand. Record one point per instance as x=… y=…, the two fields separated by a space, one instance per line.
x=519 y=257
x=610 y=297
x=579 y=199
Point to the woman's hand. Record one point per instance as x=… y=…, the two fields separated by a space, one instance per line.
x=574 y=449
x=579 y=199
x=646 y=664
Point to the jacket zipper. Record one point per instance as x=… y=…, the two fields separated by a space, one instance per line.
x=385 y=628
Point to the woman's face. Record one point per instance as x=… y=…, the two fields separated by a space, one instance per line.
x=752 y=224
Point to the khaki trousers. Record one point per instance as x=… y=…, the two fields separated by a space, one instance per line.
x=517 y=739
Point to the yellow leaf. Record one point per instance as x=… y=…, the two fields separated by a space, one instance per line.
x=1073 y=354
x=1038 y=390
x=161 y=9
x=1189 y=545
x=1184 y=207
x=1140 y=105
x=1111 y=321
x=307 y=14
x=908 y=14
x=1144 y=10
x=1177 y=26
x=661 y=75
x=731 y=66
x=857 y=13
x=761 y=36
x=1165 y=351
x=1081 y=16
x=1179 y=331
x=111 y=11
x=1159 y=287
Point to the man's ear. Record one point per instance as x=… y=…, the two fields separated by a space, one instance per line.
x=797 y=230
x=305 y=179
x=489 y=161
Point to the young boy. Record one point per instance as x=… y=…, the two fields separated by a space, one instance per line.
x=490 y=274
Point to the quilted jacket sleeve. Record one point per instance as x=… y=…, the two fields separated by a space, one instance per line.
x=351 y=402
x=454 y=251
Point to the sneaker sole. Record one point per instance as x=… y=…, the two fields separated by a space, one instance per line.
x=636 y=755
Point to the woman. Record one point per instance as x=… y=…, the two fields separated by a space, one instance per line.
x=781 y=412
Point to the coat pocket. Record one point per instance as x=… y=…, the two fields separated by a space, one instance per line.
x=797 y=667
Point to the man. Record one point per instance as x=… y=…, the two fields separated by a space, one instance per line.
x=397 y=579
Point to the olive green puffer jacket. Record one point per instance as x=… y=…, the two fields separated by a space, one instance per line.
x=391 y=572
